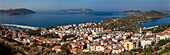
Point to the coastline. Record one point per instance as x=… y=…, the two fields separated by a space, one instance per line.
x=150 y=27
x=21 y=26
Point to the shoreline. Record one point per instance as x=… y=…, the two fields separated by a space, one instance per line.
x=21 y=26
x=150 y=27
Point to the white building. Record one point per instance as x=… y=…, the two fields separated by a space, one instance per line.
x=145 y=42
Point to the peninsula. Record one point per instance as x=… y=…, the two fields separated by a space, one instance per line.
x=75 y=10
x=148 y=14
x=130 y=12
x=17 y=11
x=167 y=12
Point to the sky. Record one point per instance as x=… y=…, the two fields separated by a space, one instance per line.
x=97 y=5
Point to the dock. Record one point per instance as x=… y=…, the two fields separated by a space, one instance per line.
x=21 y=26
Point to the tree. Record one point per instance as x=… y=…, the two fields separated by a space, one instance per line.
x=162 y=42
x=67 y=36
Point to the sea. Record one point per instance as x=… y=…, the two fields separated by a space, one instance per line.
x=48 y=18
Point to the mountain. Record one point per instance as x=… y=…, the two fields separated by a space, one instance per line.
x=153 y=14
x=75 y=10
x=148 y=14
x=167 y=12
x=17 y=11
x=130 y=12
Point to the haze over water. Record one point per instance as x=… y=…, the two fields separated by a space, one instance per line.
x=53 y=18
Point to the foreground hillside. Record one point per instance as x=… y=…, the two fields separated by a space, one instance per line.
x=11 y=48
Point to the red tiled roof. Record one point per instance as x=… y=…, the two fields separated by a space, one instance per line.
x=145 y=39
x=135 y=36
x=56 y=47
x=117 y=48
x=73 y=50
x=107 y=51
x=40 y=47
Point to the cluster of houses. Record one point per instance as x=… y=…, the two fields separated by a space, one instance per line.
x=88 y=39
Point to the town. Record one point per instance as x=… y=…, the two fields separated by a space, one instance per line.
x=77 y=39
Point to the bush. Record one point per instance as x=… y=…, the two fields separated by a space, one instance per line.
x=162 y=42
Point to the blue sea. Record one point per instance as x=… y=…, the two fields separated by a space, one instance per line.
x=53 y=18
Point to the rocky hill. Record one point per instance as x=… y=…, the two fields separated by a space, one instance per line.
x=129 y=23
x=167 y=12
x=130 y=12
x=17 y=11
x=148 y=14
x=153 y=14
x=75 y=10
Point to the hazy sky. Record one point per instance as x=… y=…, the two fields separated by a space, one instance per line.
x=97 y=5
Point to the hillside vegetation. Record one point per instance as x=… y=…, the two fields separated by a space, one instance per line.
x=129 y=23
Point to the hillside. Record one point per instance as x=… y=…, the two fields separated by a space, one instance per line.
x=167 y=12
x=129 y=23
x=148 y=14
x=11 y=48
x=153 y=14
x=17 y=11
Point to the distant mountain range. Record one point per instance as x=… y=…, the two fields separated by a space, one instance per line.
x=148 y=14
x=17 y=11
x=130 y=12
x=75 y=10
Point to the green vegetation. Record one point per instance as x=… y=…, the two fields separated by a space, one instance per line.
x=153 y=14
x=51 y=36
x=67 y=36
x=50 y=27
x=163 y=42
x=158 y=29
x=129 y=23
x=10 y=48
x=34 y=32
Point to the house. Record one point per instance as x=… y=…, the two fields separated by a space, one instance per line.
x=129 y=45
x=40 y=47
x=134 y=37
x=77 y=44
x=90 y=38
x=107 y=51
x=162 y=35
x=117 y=49
x=145 y=42
x=75 y=51
x=57 y=48
x=149 y=33
x=85 y=50
x=100 y=48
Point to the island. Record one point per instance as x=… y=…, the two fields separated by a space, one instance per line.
x=167 y=12
x=75 y=10
x=153 y=14
x=17 y=11
x=130 y=12
x=148 y=14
